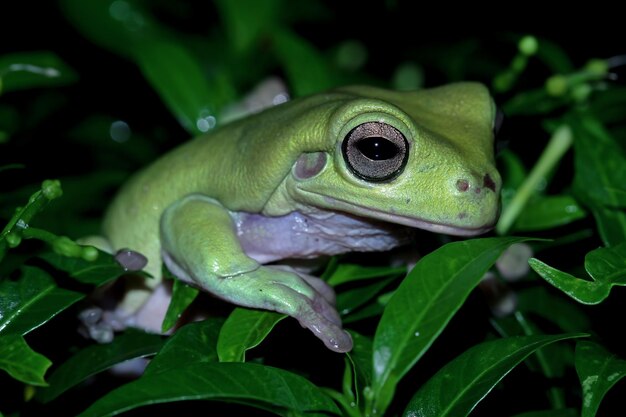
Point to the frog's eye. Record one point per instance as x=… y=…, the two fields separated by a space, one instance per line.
x=375 y=151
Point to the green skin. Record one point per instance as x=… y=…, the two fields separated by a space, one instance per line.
x=193 y=207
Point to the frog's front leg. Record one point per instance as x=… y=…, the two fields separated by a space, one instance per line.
x=200 y=246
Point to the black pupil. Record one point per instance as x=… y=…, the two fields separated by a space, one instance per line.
x=377 y=148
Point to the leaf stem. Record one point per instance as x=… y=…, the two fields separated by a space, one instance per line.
x=559 y=143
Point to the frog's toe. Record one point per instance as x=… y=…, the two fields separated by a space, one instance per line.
x=328 y=331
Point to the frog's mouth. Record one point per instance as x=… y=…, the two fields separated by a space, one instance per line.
x=411 y=221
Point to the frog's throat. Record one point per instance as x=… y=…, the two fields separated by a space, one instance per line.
x=416 y=222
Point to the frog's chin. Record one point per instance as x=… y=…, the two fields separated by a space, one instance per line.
x=411 y=221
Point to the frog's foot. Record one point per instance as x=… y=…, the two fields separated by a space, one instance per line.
x=93 y=326
x=283 y=291
x=324 y=322
x=316 y=283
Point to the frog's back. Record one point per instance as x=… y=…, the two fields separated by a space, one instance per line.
x=240 y=165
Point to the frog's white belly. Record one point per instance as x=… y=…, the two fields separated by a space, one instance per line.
x=304 y=236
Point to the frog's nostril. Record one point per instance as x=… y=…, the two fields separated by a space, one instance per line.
x=489 y=183
x=462 y=185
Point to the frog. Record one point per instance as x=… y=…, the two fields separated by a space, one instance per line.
x=351 y=169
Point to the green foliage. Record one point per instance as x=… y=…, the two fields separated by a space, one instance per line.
x=423 y=304
x=243 y=330
x=461 y=384
x=165 y=71
x=607 y=267
x=598 y=371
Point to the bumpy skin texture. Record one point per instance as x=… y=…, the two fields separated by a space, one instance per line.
x=202 y=206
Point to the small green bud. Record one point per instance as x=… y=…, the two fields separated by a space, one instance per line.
x=52 y=189
x=557 y=85
x=13 y=239
x=65 y=246
x=89 y=253
x=597 y=67
x=528 y=45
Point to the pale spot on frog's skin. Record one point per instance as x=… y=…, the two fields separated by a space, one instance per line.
x=145 y=189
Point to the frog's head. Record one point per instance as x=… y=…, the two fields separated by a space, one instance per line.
x=423 y=159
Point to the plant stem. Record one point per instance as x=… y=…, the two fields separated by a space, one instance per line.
x=559 y=143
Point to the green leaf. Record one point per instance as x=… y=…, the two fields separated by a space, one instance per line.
x=126 y=28
x=100 y=357
x=460 y=385
x=599 y=162
x=238 y=382
x=306 y=69
x=350 y=300
x=423 y=304
x=21 y=362
x=247 y=20
x=606 y=266
x=546 y=212
x=19 y=71
x=182 y=296
x=116 y=25
x=345 y=273
x=32 y=301
x=192 y=343
x=175 y=74
x=552 y=361
x=598 y=371
x=372 y=309
x=611 y=224
x=243 y=330
x=561 y=311
x=98 y=272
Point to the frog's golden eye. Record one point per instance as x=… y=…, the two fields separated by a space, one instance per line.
x=375 y=151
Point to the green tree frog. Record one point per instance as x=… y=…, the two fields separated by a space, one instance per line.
x=346 y=170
